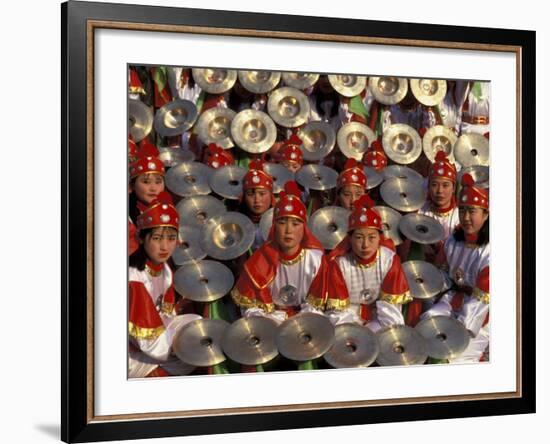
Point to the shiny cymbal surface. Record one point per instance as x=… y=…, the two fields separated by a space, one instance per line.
x=329 y=225
x=401 y=345
x=280 y=175
x=174 y=156
x=402 y=143
x=354 y=346
x=425 y=280
x=317 y=177
x=140 y=119
x=318 y=140
x=253 y=131
x=199 y=342
x=214 y=80
x=175 y=117
x=348 y=85
x=390 y=223
x=265 y=223
x=289 y=107
x=196 y=210
x=439 y=138
x=354 y=138
x=445 y=337
x=203 y=281
x=227 y=181
x=403 y=195
x=429 y=92
x=227 y=236
x=374 y=178
x=214 y=126
x=402 y=172
x=388 y=90
x=305 y=336
x=189 y=250
x=300 y=80
x=188 y=179
x=472 y=149
x=251 y=341
x=259 y=82
x=479 y=173
x=421 y=228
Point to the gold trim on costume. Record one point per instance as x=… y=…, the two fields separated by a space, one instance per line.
x=315 y=302
x=136 y=90
x=258 y=286
x=144 y=333
x=360 y=265
x=295 y=260
x=152 y=272
x=337 y=304
x=167 y=307
x=246 y=302
x=443 y=213
x=471 y=245
x=481 y=295
x=394 y=299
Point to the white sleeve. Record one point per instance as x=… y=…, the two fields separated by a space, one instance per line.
x=342 y=316
x=473 y=314
x=389 y=314
x=277 y=315
x=440 y=308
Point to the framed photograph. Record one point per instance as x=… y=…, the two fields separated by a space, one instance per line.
x=275 y=222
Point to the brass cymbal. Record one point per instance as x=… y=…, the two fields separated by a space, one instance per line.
x=401 y=345
x=214 y=80
x=280 y=175
x=354 y=346
x=189 y=250
x=402 y=172
x=472 y=149
x=439 y=138
x=374 y=178
x=317 y=177
x=203 y=281
x=429 y=92
x=227 y=181
x=289 y=107
x=329 y=225
x=479 y=173
x=402 y=143
x=174 y=156
x=253 y=131
x=214 y=126
x=188 y=179
x=265 y=223
x=305 y=336
x=347 y=84
x=445 y=337
x=259 y=82
x=175 y=117
x=199 y=342
x=390 y=223
x=403 y=195
x=421 y=228
x=251 y=341
x=388 y=90
x=140 y=119
x=300 y=80
x=354 y=138
x=318 y=140
x=227 y=236
x=196 y=210
x=425 y=280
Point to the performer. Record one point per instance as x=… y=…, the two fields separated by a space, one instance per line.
x=351 y=184
x=217 y=157
x=375 y=157
x=152 y=320
x=474 y=99
x=182 y=85
x=285 y=275
x=467 y=258
x=365 y=280
x=291 y=155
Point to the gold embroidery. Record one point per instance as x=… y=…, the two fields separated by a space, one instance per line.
x=167 y=307
x=396 y=298
x=136 y=90
x=337 y=304
x=315 y=302
x=481 y=295
x=295 y=260
x=246 y=302
x=144 y=333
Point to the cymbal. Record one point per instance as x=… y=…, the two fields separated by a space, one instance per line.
x=439 y=138
x=354 y=138
x=300 y=80
x=251 y=341
x=429 y=92
x=329 y=225
x=253 y=131
x=317 y=177
x=227 y=181
x=354 y=346
x=318 y=140
x=214 y=80
x=289 y=107
x=214 y=126
x=403 y=195
x=347 y=84
x=174 y=156
x=140 y=119
x=401 y=345
x=189 y=250
x=421 y=228
x=402 y=143
x=479 y=173
x=472 y=149
x=280 y=175
x=196 y=210
x=388 y=90
x=390 y=223
x=374 y=178
x=402 y=172
x=199 y=342
x=203 y=281
x=425 y=280
x=259 y=82
x=227 y=236
x=445 y=337
x=175 y=117
x=265 y=223
x=188 y=179
x=305 y=336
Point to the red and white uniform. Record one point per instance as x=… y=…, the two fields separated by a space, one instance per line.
x=448 y=219
x=178 y=80
x=474 y=98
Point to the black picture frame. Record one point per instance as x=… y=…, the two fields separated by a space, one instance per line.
x=77 y=421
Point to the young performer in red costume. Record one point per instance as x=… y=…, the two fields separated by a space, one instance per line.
x=351 y=184
x=375 y=157
x=291 y=155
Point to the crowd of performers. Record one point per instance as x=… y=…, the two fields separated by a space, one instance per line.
x=361 y=280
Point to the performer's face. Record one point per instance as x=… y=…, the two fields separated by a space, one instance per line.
x=258 y=200
x=148 y=186
x=365 y=242
x=472 y=219
x=291 y=166
x=289 y=232
x=441 y=192
x=349 y=194
x=160 y=243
